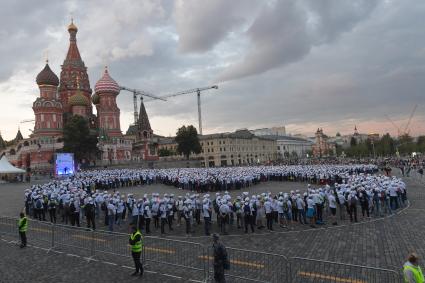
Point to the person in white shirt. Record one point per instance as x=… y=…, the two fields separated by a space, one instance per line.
x=332 y=206
x=301 y=209
x=224 y=216
x=310 y=211
x=111 y=210
x=269 y=216
x=206 y=211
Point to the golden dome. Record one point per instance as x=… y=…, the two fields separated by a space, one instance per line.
x=72 y=26
x=79 y=99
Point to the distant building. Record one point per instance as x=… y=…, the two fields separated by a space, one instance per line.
x=273 y=131
x=289 y=146
x=345 y=140
x=230 y=149
x=322 y=146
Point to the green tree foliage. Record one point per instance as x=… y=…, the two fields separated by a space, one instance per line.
x=78 y=140
x=187 y=141
x=165 y=152
x=353 y=142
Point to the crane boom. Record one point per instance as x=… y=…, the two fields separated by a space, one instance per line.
x=410 y=119
x=395 y=126
x=190 y=91
x=198 y=94
x=137 y=92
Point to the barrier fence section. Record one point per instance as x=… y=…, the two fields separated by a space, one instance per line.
x=311 y=270
x=195 y=260
x=253 y=266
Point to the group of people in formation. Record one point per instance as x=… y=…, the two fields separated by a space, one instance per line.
x=79 y=199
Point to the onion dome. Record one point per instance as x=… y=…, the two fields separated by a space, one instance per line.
x=95 y=99
x=47 y=77
x=79 y=99
x=107 y=84
x=72 y=27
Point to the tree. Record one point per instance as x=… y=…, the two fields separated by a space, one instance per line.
x=187 y=141
x=353 y=142
x=420 y=144
x=165 y=152
x=78 y=139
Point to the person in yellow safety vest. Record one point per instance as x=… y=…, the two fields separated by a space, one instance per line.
x=23 y=227
x=136 y=242
x=411 y=270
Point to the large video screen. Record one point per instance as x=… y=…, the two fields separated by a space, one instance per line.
x=64 y=164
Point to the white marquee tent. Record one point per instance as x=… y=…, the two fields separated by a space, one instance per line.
x=7 y=168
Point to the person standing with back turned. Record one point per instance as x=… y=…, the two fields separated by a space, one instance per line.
x=23 y=227
x=221 y=261
x=136 y=242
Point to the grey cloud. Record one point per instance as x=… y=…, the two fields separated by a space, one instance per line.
x=285 y=31
x=203 y=24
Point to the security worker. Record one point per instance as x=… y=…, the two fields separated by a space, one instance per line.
x=136 y=242
x=411 y=270
x=23 y=227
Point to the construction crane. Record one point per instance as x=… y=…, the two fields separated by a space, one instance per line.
x=395 y=126
x=406 y=129
x=27 y=121
x=198 y=93
x=142 y=93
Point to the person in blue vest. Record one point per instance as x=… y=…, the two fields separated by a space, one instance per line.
x=136 y=242
x=412 y=273
x=23 y=227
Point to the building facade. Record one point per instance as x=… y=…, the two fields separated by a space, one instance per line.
x=322 y=146
x=71 y=94
x=229 y=149
x=291 y=147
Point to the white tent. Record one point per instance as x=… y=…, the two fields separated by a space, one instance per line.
x=7 y=168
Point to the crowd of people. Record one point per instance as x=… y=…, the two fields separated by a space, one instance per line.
x=331 y=193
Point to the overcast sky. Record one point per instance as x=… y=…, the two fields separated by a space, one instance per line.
x=303 y=64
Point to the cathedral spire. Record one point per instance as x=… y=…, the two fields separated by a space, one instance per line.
x=143 y=121
x=73 y=52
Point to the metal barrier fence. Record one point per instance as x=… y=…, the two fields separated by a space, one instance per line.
x=311 y=270
x=253 y=266
x=195 y=260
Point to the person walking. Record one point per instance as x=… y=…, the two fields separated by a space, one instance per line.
x=23 y=227
x=221 y=261
x=412 y=272
x=136 y=242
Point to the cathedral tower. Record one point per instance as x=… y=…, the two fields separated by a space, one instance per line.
x=47 y=108
x=73 y=67
x=108 y=113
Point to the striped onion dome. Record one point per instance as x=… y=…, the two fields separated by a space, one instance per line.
x=106 y=84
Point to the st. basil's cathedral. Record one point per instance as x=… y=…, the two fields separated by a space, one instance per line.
x=71 y=95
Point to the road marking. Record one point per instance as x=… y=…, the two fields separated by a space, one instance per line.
x=193 y=280
x=110 y=263
x=89 y=238
x=237 y=262
x=173 y=276
x=73 y=255
x=159 y=250
x=333 y=278
x=40 y=230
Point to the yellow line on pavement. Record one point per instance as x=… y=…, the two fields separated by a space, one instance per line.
x=330 y=277
x=89 y=238
x=40 y=230
x=159 y=250
x=237 y=262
